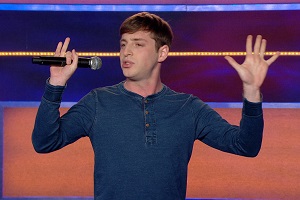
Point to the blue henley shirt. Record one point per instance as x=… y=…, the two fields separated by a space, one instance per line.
x=142 y=146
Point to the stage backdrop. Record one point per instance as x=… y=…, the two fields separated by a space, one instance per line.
x=274 y=174
x=210 y=78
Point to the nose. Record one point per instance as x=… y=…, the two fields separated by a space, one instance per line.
x=127 y=51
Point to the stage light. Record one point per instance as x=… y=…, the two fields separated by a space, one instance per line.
x=116 y=54
x=148 y=7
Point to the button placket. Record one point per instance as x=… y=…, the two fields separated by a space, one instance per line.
x=147 y=117
x=150 y=129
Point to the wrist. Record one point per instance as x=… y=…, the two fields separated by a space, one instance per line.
x=56 y=82
x=252 y=94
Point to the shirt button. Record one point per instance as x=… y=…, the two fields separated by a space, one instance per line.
x=146 y=101
x=147 y=125
x=146 y=112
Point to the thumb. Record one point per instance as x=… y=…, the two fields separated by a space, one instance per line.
x=273 y=58
x=232 y=62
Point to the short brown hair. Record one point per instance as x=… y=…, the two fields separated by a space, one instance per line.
x=144 y=21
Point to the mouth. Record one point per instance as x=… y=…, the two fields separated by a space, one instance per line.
x=127 y=63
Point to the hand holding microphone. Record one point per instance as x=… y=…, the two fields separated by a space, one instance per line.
x=61 y=58
x=64 y=63
x=94 y=62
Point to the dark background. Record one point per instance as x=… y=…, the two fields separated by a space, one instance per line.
x=210 y=78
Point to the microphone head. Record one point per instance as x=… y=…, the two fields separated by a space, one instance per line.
x=95 y=63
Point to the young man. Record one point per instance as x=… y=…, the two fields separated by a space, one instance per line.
x=141 y=131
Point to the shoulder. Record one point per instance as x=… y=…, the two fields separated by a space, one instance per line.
x=101 y=94
x=179 y=96
x=185 y=99
x=106 y=91
x=114 y=89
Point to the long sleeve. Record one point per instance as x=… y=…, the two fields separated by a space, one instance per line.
x=52 y=131
x=244 y=139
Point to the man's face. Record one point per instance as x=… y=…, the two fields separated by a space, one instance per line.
x=138 y=56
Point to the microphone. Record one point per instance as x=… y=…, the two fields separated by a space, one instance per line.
x=94 y=62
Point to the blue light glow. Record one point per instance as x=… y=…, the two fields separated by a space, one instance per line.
x=242 y=7
x=138 y=8
x=91 y=8
x=25 y=104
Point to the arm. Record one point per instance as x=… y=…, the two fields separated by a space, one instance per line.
x=246 y=138
x=216 y=132
x=51 y=132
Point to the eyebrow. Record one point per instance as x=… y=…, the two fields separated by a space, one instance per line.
x=133 y=39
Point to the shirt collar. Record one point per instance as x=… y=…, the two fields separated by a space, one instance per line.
x=135 y=95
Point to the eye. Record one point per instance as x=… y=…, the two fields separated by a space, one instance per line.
x=122 y=45
x=139 y=44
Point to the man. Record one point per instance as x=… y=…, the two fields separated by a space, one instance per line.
x=141 y=131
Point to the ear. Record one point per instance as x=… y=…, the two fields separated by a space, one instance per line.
x=163 y=53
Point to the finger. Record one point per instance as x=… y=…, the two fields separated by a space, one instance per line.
x=58 y=49
x=249 y=45
x=64 y=47
x=232 y=62
x=74 y=57
x=263 y=48
x=273 y=58
x=257 y=44
x=68 y=57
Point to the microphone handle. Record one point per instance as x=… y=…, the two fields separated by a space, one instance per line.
x=60 y=61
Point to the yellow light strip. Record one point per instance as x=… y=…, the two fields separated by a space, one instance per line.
x=115 y=54
x=24 y=53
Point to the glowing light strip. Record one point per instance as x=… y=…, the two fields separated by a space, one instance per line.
x=16 y=104
x=242 y=7
x=148 y=7
x=116 y=54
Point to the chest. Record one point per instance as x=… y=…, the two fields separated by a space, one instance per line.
x=144 y=122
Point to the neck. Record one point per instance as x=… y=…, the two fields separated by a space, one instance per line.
x=145 y=88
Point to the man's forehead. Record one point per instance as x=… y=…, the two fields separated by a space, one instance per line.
x=139 y=35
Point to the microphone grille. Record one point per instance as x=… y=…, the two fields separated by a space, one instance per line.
x=95 y=63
